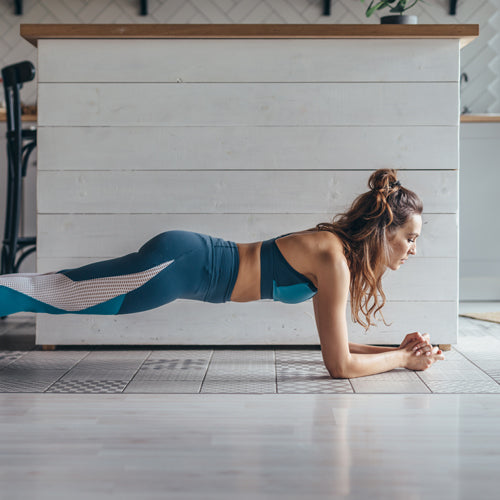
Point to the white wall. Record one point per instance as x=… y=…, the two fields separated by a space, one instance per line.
x=479 y=211
x=481 y=59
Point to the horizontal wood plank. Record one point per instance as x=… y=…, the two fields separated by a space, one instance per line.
x=246 y=148
x=100 y=236
x=264 y=104
x=226 y=192
x=254 y=323
x=243 y=61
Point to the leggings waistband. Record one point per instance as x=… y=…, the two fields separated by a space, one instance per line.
x=224 y=267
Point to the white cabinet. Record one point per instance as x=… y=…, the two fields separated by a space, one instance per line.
x=243 y=139
x=479 y=211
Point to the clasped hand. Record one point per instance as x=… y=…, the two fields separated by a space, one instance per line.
x=420 y=353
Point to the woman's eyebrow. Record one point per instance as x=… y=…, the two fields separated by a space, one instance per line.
x=414 y=234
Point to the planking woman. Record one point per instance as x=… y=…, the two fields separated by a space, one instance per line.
x=330 y=263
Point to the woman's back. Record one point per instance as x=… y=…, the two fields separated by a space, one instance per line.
x=303 y=251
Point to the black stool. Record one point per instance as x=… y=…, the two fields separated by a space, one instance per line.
x=20 y=144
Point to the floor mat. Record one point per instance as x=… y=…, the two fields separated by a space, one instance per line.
x=494 y=317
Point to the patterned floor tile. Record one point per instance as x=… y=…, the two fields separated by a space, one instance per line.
x=88 y=386
x=389 y=386
x=180 y=354
x=119 y=355
x=299 y=372
x=50 y=360
x=240 y=372
x=463 y=386
x=396 y=375
x=28 y=380
x=245 y=386
x=164 y=386
x=174 y=368
x=99 y=374
x=120 y=359
x=7 y=357
x=314 y=386
x=439 y=373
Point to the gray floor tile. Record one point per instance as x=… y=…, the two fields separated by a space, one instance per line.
x=8 y=357
x=164 y=386
x=488 y=366
x=245 y=386
x=50 y=360
x=444 y=373
x=28 y=380
x=323 y=385
x=389 y=386
x=494 y=374
x=463 y=386
x=241 y=363
x=119 y=355
x=303 y=371
x=396 y=375
x=98 y=374
x=174 y=367
x=180 y=354
x=88 y=386
x=241 y=371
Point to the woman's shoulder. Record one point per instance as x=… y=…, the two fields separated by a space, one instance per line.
x=325 y=243
x=322 y=248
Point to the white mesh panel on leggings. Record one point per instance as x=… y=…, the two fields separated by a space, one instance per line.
x=62 y=292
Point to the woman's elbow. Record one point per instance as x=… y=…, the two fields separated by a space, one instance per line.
x=338 y=370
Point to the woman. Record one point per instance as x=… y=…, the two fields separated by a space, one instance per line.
x=328 y=263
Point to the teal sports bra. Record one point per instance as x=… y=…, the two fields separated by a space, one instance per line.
x=279 y=280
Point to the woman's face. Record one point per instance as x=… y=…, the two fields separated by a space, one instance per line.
x=402 y=241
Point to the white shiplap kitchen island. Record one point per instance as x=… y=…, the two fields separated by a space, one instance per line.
x=243 y=132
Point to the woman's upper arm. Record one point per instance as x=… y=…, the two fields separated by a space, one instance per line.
x=330 y=305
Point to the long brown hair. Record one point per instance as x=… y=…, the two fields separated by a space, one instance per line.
x=363 y=231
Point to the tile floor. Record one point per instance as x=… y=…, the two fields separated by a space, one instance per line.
x=472 y=366
x=237 y=427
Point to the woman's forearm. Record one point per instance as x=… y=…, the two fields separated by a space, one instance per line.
x=360 y=365
x=368 y=349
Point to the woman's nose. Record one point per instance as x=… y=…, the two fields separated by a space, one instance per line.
x=413 y=249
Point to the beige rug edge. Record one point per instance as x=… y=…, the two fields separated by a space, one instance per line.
x=494 y=317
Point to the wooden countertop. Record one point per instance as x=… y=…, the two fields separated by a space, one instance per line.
x=466 y=33
x=480 y=118
x=25 y=118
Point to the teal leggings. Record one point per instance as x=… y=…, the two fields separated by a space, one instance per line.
x=172 y=265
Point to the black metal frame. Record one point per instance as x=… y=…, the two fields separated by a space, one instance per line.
x=19 y=7
x=20 y=143
x=327 y=7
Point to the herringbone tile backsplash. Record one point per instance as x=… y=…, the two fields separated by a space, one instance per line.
x=480 y=60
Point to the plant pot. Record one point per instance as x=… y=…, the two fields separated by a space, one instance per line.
x=398 y=19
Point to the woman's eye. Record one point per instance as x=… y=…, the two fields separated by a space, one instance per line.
x=411 y=241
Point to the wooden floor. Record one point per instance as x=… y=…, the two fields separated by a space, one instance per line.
x=398 y=435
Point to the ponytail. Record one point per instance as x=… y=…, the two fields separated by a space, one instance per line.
x=363 y=232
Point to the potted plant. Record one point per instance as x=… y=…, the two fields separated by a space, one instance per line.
x=396 y=6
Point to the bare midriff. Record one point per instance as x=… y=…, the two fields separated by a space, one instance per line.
x=247 y=286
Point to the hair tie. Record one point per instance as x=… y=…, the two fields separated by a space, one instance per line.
x=394 y=184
